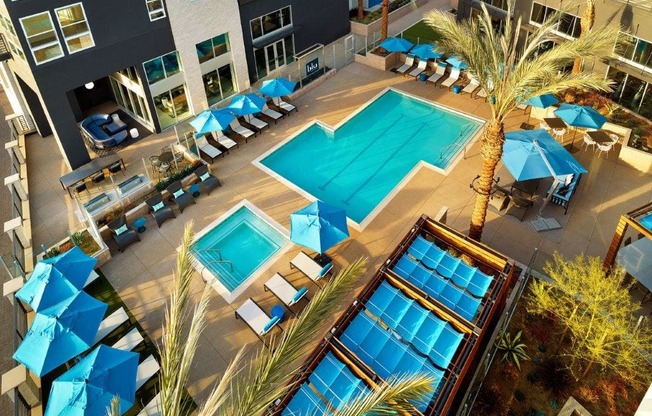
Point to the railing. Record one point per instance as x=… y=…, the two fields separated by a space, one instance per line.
x=219 y=259
x=460 y=141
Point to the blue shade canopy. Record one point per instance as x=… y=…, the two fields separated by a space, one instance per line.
x=425 y=51
x=534 y=154
x=88 y=387
x=396 y=45
x=580 y=116
x=60 y=332
x=457 y=62
x=56 y=279
x=318 y=226
x=243 y=105
x=542 y=101
x=212 y=120
x=277 y=87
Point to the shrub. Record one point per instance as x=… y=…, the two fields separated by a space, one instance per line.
x=588 y=394
x=175 y=177
x=541 y=332
x=519 y=395
x=490 y=401
x=554 y=376
x=513 y=348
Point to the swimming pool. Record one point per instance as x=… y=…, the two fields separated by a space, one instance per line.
x=233 y=250
x=357 y=165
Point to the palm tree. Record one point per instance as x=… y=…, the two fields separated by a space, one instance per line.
x=250 y=388
x=512 y=73
x=586 y=24
x=360 y=9
x=384 y=23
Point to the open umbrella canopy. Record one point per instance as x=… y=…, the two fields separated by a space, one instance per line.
x=212 y=120
x=396 y=45
x=88 y=387
x=534 y=154
x=542 y=101
x=60 y=332
x=425 y=51
x=243 y=105
x=56 y=279
x=318 y=226
x=457 y=62
x=580 y=116
x=277 y=87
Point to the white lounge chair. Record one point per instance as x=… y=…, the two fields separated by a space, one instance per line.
x=421 y=67
x=452 y=78
x=242 y=131
x=409 y=63
x=284 y=290
x=286 y=107
x=110 y=323
x=306 y=265
x=482 y=94
x=225 y=141
x=129 y=341
x=206 y=148
x=273 y=114
x=257 y=123
x=440 y=70
x=152 y=408
x=256 y=318
x=146 y=370
x=471 y=86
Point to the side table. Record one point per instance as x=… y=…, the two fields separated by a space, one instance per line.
x=194 y=190
x=139 y=224
x=279 y=311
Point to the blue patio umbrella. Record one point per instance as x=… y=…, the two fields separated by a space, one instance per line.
x=457 y=62
x=425 y=51
x=243 y=105
x=318 y=226
x=56 y=279
x=580 y=116
x=60 y=332
x=277 y=87
x=542 y=101
x=396 y=45
x=535 y=154
x=88 y=387
x=212 y=120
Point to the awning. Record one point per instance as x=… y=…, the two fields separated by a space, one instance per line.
x=263 y=41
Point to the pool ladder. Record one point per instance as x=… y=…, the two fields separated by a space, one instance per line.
x=219 y=259
x=459 y=142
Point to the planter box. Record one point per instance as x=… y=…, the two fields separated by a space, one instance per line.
x=366 y=30
x=102 y=255
x=383 y=63
x=636 y=158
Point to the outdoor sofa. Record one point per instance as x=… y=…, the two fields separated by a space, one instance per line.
x=103 y=132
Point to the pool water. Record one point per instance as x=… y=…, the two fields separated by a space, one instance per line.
x=234 y=248
x=356 y=166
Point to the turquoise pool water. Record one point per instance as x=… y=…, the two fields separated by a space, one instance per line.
x=237 y=246
x=359 y=164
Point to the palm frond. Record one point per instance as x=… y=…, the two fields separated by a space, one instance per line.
x=114 y=408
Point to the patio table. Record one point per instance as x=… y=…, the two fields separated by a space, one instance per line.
x=599 y=136
x=527 y=188
x=555 y=123
x=636 y=258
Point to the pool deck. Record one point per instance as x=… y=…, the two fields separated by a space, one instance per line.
x=141 y=275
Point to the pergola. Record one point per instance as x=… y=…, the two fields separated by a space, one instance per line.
x=635 y=257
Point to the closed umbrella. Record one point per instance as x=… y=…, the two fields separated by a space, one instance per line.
x=212 y=120
x=60 y=332
x=318 y=226
x=457 y=62
x=425 y=51
x=580 y=116
x=396 y=45
x=89 y=386
x=277 y=87
x=56 y=279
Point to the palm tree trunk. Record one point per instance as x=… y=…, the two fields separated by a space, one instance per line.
x=360 y=9
x=384 y=24
x=586 y=24
x=491 y=150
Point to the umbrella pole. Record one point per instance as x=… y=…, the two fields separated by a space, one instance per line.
x=555 y=184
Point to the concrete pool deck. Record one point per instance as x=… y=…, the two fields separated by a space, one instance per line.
x=142 y=274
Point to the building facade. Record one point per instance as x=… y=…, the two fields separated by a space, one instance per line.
x=630 y=69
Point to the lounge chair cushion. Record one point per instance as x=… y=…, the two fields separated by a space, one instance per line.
x=121 y=230
x=269 y=325
x=178 y=193
x=325 y=270
x=563 y=190
x=204 y=176
x=158 y=206
x=300 y=293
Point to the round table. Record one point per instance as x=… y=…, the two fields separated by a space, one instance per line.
x=139 y=224
x=279 y=311
x=194 y=190
x=166 y=156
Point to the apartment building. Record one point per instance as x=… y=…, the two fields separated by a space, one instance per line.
x=631 y=69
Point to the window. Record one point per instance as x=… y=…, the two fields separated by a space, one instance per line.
x=631 y=92
x=74 y=27
x=12 y=39
x=41 y=37
x=635 y=50
x=568 y=25
x=162 y=67
x=271 y=22
x=274 y=56
x=155 y=9
x=212 y=48
x=172 y=106
x=501 y=4
x=218 y=84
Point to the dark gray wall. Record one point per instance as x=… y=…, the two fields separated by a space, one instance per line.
x=124 y=37
x=317 y=22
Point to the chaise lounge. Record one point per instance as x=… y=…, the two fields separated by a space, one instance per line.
x=159 y=209
x=564 y=191
x=123 y=234
x=103 y=132
x=179 y=196
x=284 y=290
x=206 y=180
x=256 y=318
x=313 y=270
